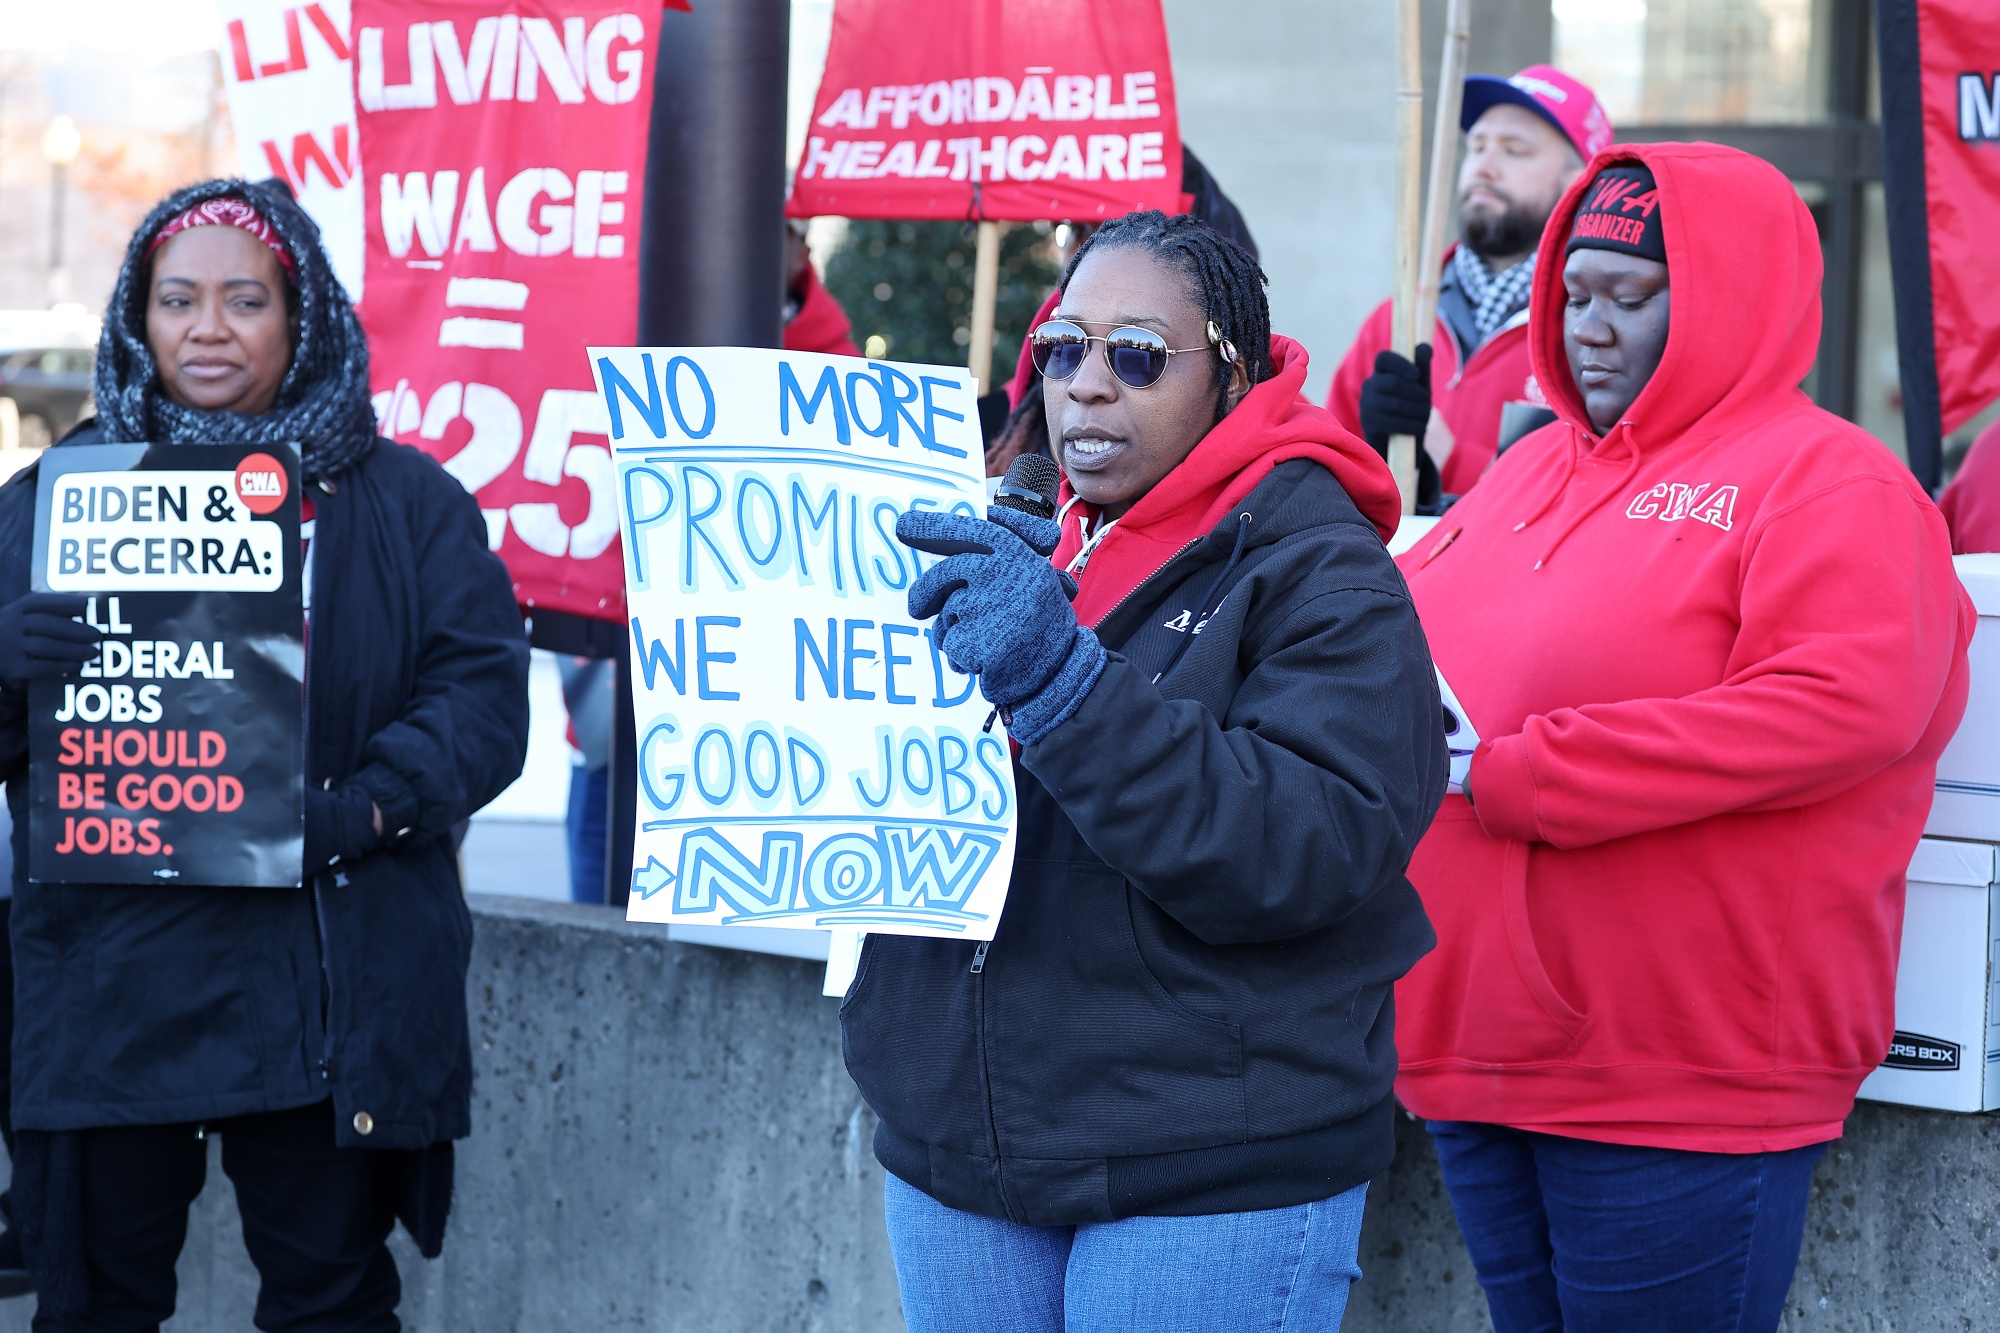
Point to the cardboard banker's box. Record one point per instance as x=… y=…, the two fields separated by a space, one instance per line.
x=1946 y=1052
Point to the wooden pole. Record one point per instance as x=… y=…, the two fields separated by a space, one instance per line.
x=985 y=290
x=1444 y=162
x=1409 y=206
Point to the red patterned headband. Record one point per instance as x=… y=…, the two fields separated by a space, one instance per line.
x=228 y=211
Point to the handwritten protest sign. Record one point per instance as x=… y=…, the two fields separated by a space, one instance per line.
x=177 y=755
x=807 y=757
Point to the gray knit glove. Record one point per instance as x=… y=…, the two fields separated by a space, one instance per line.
x=1003 y=614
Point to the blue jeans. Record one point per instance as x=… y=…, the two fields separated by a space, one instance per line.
x=1285 y=1270
x=589 y=810
x=1570 y=1236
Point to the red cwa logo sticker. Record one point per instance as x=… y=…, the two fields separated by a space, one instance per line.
x=260 y=483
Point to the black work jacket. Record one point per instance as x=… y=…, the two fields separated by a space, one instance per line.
x=1187 y=1007
x=160 y=1005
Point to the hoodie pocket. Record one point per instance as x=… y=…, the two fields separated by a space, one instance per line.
x=1483 y=995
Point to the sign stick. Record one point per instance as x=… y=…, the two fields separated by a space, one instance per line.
x=1444 y=161
x=1409 y=205
x=985 y=294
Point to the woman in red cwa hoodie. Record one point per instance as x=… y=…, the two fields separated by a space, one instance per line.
x=1714 y=645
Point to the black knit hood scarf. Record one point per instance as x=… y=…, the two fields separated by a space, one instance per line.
x=322 y=405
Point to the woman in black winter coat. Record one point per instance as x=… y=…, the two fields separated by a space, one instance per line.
x=320 y=1031
x=1156 y=1098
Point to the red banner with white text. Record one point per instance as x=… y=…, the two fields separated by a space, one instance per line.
x=504 y=157
x=1961 y=59
x=1941 y=180
x=1000 y=109
x=291 y=102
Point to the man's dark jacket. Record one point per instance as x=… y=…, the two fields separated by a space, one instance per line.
x=1187 y=1008
x=163 y=1005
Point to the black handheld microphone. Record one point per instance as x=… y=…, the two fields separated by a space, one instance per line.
x=1030 y=486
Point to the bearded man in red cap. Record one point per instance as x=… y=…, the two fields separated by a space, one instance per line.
x=1527 y=138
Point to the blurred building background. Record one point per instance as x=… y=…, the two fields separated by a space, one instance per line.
x=105 y=105
x=142 y=87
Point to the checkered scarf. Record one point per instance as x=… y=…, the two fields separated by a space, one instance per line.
x=1493 y=297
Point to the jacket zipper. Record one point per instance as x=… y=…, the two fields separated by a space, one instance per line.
x=978 y=968
x=1465 y=362
x=319 y=906
x=979 y=955
x=1140 y=586
x=986 y=1072
x=326 y=979
x=1459 y=353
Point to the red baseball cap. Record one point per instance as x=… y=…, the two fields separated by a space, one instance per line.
x=1565 y=103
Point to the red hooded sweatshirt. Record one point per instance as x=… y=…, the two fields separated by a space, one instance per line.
x=1971 y=504
x=1024 y=364
x=1271 y=424
x=1713 y=656
x=1469 y=395
x=821 y=325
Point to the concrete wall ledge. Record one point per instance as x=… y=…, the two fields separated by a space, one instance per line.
x=665 y=1139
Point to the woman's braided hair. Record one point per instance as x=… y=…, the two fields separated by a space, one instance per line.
x=1224 y=279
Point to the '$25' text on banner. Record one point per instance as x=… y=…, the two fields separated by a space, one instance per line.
x=504 y=158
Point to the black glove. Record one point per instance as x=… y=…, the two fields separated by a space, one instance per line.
x=1396 y=400
x=38 y=638
x=340 y=826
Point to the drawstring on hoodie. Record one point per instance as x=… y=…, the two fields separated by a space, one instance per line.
x=1633 y=459
x=1222 y=582
x=1090 y=539
x=1556 y=493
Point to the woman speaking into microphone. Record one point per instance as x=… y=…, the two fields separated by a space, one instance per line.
x=1156 y=1098
x=321 y=1030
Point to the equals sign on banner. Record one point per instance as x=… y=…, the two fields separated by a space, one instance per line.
x=480 y=331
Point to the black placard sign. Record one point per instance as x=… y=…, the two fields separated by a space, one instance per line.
x=178 y=755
